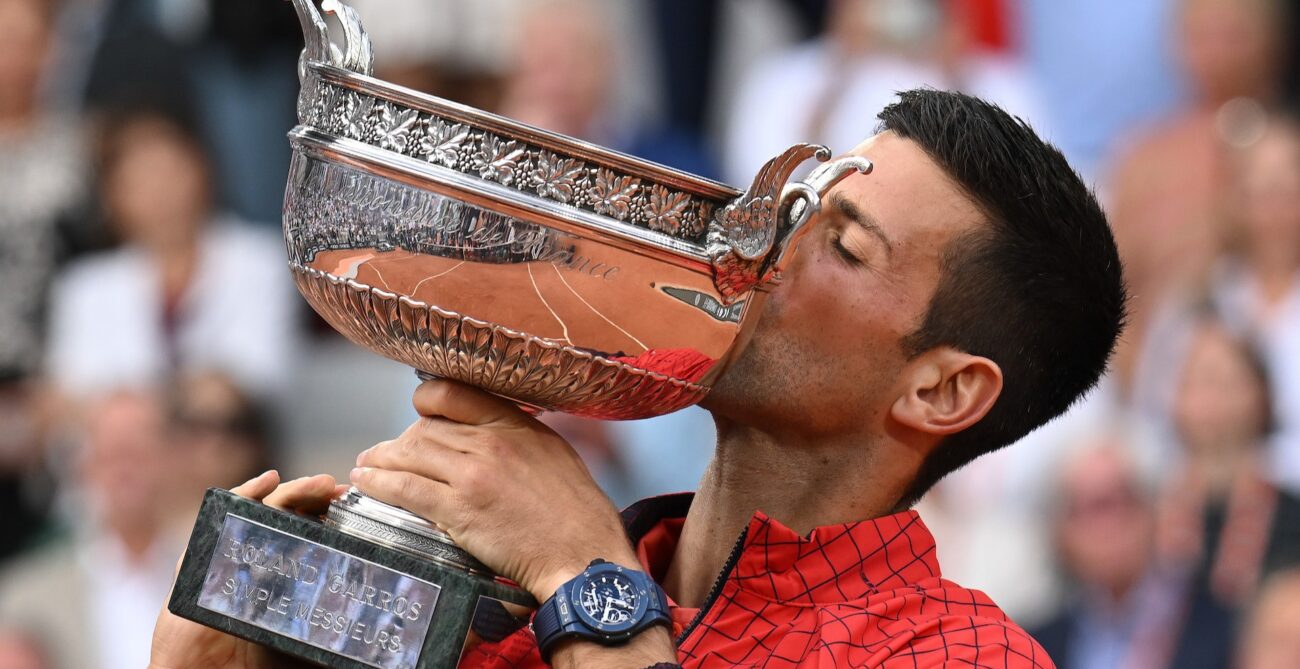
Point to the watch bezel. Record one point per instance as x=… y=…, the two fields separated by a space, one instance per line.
x=610 y=631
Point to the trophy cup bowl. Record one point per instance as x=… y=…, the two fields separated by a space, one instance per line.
x=547 y=270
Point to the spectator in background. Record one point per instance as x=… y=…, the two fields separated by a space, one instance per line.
x=868 y=51
x=820 y=91
x=1126 y=611
x=43 y=188
x=561 y=78
x=43 y=183
x=224 y=434
x=1168 y=187
x=188 y=290
x=98 y=592
x=1271 y=637
x=1102 y=68
x=26 y=489
x=1257 y=287
x=1220 y=519
x=245 y=78
x=236 y=57
x=449 y=48
x=21 y=650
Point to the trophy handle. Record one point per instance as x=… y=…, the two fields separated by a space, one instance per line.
x=751 y=240
x=800 y=202
x=357 y=54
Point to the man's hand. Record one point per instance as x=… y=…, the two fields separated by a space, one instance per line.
x=181 y=644
x=515 y=495
x=504 y=486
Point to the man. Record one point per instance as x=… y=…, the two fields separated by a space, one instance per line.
x=965 y=293
x=93 y=594
x=1127 y=608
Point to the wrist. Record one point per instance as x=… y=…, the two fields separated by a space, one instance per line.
x=554 y=577
x=651 y=648
x=607 y=605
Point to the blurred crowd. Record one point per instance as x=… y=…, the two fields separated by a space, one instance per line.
x=152 y=345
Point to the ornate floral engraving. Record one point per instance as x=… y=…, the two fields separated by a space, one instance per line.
x=326 y=103
x=697 y=219
x=356 y=116
x=611 y=194
x=394 y=126
x=443 y=143
x=309 y=96
x=462 y=147
x=557 y=178
x=666 y=210
x=498 y=159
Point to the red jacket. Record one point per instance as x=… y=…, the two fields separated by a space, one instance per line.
x=865 y=594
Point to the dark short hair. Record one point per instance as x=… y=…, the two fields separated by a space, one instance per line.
x=1038 y=289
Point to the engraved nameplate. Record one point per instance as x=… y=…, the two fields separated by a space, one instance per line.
x=318 y=595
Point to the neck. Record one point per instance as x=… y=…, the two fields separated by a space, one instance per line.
x=802 y=483
x=137 y=540
x=176 y=264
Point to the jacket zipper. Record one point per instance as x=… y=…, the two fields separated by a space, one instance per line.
x=716 y=591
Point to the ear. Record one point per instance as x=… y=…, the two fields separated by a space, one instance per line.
x=946 y=391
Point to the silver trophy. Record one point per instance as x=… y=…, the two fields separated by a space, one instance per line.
x=558 y=274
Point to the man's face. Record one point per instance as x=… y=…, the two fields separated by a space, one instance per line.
x=826 y=356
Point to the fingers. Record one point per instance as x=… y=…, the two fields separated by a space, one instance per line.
x=463 y=404
x=427 y=457
x=259 y=487
x=309 y=495
x=423 y=497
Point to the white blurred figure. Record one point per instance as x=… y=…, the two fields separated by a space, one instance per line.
x=98 y=592
x=829 y=90
x=1257 y=287
x=457 y=34
x=189 y=289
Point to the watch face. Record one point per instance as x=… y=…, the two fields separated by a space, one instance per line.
x=610 y=601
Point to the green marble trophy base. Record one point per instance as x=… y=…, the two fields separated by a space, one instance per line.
x=309 y=590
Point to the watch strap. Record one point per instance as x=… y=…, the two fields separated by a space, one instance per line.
x=546 y=622
x=555 y=618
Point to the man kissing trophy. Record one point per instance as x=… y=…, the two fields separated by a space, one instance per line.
x=557 y=274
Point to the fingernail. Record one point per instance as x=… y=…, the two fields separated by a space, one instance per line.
x=263 y=475
x=362 y=455
x=357 y=473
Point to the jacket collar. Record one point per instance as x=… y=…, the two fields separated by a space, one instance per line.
x=835 y=563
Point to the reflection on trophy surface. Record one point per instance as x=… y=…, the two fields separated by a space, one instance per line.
x=555 y=273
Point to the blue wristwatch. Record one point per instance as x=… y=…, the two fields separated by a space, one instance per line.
x=607 y=604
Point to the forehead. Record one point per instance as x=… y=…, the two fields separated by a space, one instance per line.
x=908 y=194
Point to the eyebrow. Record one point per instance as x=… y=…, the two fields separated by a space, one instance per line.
x=854 y=213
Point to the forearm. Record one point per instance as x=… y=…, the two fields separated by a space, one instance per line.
x=646 y=649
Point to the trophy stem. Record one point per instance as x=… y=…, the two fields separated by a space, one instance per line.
x=365 y=517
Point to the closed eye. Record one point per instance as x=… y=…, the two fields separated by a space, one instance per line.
x=837 y=243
